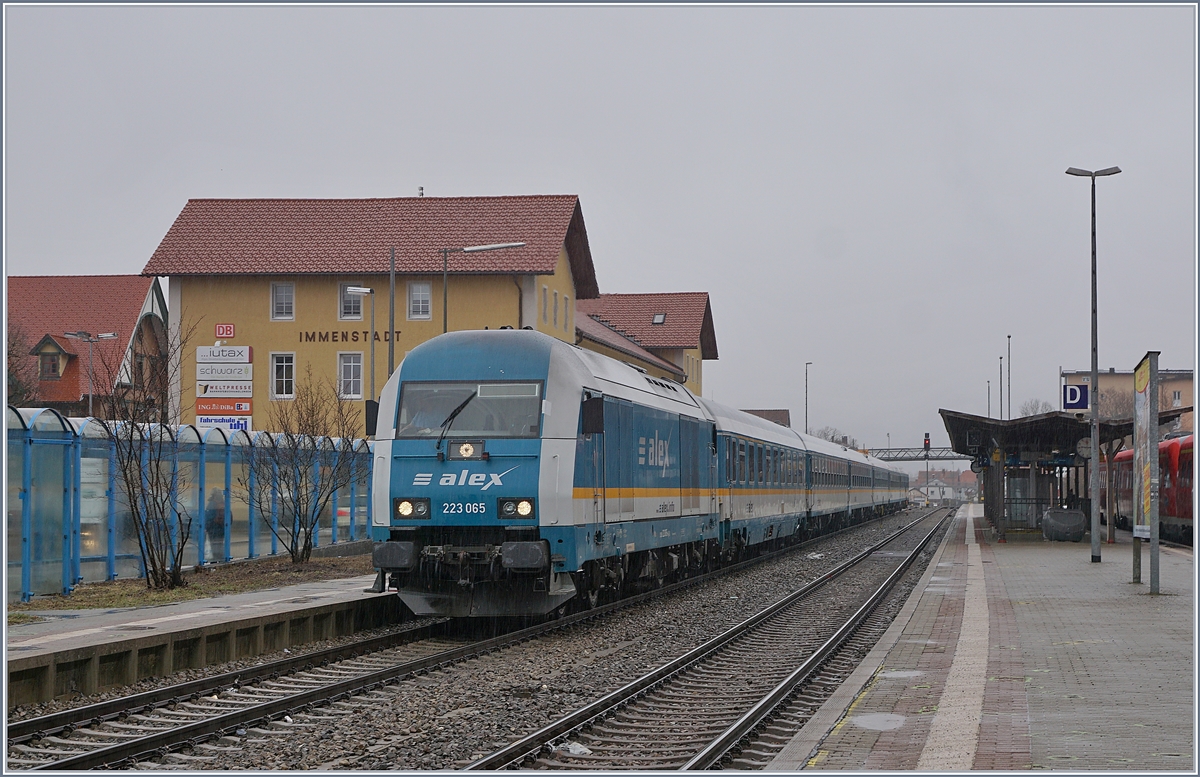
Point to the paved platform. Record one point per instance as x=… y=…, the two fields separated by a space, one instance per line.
x=1021 y=656
x=89 y=650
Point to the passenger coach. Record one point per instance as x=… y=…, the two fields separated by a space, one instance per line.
x=515 y=473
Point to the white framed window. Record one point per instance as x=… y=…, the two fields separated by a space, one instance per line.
x=283 y=298
x=350 y=370
x=1176 y=399
x=545 y=304
x=566 y=313
x=556 y=310
x=349 y=305
x=283 y=375
x=419 y=295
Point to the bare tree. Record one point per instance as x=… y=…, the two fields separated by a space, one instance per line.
x=1035 y=407
x=313 y=435
x=837 y=436
x=22 y=385
x=134 y=389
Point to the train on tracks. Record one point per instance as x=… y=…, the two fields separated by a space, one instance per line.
x=1175 y=474
x=518 y=475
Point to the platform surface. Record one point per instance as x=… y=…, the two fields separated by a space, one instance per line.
x=1018 y=656
x=70 y=629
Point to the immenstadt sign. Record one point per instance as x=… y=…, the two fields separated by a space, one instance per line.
x=1075 y=397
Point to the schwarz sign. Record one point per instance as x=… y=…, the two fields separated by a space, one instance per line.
x=224 y=354
x=224 y=371
x=1075 y=397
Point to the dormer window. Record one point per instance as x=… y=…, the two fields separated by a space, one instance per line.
x=48 y=366
x=659 y=318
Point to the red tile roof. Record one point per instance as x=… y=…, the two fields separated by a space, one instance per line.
x=261 y=237
x=687 y=319
x=591 y=329
x=53 y=304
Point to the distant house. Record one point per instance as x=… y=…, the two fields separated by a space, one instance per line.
x=961 y=485
x=675 y=327
x=50 y=368
x=781 y=417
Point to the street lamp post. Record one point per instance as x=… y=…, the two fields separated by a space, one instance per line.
x=806 y=365
x=363 y=291
x=1010 y=377
x=446 y=268
x=1094 y=484
x=1001 y=408
x=989 y=399
x=87 y=338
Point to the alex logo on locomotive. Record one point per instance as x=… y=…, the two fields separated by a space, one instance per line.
x=655 y=452
x=464 y=478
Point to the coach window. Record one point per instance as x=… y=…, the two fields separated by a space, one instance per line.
x=741 y=461
x=283 y=297
x=759 y=462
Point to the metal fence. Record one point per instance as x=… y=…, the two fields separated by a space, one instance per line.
x=68 y=523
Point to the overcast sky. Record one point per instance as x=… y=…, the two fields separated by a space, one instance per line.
x=879 y=191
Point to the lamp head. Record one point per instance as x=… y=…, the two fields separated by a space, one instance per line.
x=359 y=290
x=491 y=247
x=1077 y=171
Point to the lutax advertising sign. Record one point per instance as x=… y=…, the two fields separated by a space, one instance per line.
x=224 y=354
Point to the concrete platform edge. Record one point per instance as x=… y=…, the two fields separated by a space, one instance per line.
x=808 y=739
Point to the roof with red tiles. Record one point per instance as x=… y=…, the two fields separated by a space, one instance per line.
x=671 y=320
x=282 y=236
x=598 y=332
x=42 y=305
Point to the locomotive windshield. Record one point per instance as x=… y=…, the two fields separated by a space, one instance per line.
x=484 y=409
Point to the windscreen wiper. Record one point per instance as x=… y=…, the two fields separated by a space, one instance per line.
x=450 y=420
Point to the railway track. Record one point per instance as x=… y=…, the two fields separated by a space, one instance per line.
x=147 y=726
x=694 y=712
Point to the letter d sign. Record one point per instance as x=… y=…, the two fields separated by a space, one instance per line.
x=1075 y=397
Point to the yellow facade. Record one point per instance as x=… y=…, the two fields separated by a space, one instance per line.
x=316 y=333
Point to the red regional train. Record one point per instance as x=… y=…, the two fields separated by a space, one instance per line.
x=1175 y=494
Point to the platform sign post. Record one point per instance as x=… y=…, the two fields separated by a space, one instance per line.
x=1145 y=464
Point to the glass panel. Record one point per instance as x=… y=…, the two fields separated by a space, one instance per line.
x=485 y=410
x=46 y=494
x=16 y=453
x=93 y=509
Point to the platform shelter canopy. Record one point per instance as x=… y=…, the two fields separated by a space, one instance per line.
x=1044 y=433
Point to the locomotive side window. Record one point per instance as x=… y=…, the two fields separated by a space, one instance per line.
x=473 y=409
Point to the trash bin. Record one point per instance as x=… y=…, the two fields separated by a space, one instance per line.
x=1063 y=525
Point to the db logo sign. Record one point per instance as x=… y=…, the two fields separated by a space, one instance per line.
x=224 y=330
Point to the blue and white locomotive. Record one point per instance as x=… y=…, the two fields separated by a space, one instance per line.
x=515 y=473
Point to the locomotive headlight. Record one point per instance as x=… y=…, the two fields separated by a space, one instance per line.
x=408 y=509
x=515 y=508
x=466 y=450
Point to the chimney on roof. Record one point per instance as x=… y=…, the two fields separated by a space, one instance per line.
x=420 y=191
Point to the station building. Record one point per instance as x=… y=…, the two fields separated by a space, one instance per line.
x=676 y=327
x=264 y=291
x=1116 y=392
x=125 y=314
